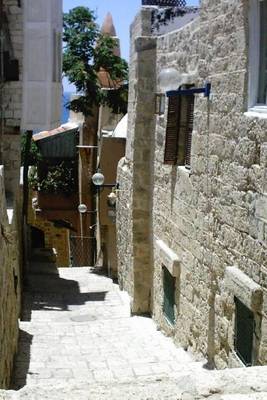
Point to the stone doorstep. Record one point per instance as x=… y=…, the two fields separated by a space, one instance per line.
x=138 y=389
x=252 y=396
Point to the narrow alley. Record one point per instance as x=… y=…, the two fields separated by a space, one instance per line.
x=76 y=326
x=78 y=341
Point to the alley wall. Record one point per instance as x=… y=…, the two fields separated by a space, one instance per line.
x=10 y=195
x=133 y=223
x=10 y=262
x=11 y=99
x=211 y=218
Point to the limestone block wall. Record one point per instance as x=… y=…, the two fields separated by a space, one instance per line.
x=125 y=228
x=135 y=266
x=11 y=100
x=12 y=91
x=10 y=200
x=54 y=237
x=12 y=161
x=10 y=261
x=213 y=216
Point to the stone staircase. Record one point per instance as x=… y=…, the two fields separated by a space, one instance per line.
x=78 y=341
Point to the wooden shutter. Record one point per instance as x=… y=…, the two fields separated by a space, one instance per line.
x=171 y=141
x=190 y=122
x=179 y=130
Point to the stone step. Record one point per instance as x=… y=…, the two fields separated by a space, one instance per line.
x=44 y=254
x=43 y=268
x=183 y=388
x=251 y=396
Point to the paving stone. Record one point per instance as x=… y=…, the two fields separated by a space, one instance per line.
x=115 y=356
x=87 y=334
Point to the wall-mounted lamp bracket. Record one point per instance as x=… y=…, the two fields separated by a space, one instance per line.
x=189 y=92
x=112 y=185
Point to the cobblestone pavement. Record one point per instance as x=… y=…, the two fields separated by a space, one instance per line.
x=77 y=326
x=78 y=342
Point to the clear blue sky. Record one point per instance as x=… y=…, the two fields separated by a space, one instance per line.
x=123 y=12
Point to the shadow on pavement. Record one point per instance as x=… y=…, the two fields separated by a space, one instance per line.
x=22 y=360
x=52 y=293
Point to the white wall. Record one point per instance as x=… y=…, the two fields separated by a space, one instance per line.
x=42 y=88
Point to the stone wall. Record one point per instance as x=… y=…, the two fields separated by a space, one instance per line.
x=136 y=261
x=124 y=227
x=55 y=238
x=11 y=101
x=10 y=200
x=10 y=261
x=212 y=217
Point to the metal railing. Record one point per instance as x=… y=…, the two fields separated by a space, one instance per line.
x=81 y=250
x=164 y=3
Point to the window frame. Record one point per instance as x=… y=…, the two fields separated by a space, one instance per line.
x=169 y=299
x=160 y=100
x=240 y=309
x=254 y=59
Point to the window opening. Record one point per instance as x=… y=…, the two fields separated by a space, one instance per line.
x=169 y=295
x=160 y=104
x=244 y=333
x=262 y=92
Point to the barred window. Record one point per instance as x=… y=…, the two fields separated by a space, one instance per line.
x=179 y=130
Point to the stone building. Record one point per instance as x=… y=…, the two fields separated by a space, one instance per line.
x=111 y=148
x=10 y=238
x=192 y=212
x=20 y=38
x=100 y=149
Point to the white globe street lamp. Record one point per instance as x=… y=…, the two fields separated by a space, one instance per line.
x=98 y=179
x=168 y=79
x=82 y=208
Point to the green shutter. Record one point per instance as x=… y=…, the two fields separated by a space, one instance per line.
x=169 y=295
x=244 y=333
x=262 y=92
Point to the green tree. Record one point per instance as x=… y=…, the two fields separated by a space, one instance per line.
x=33 y=156
x=86 y=53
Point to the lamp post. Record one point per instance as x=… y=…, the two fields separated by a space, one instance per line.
x=82 y=208
x=167 y=79
x=98 y=180
x=172 y=84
